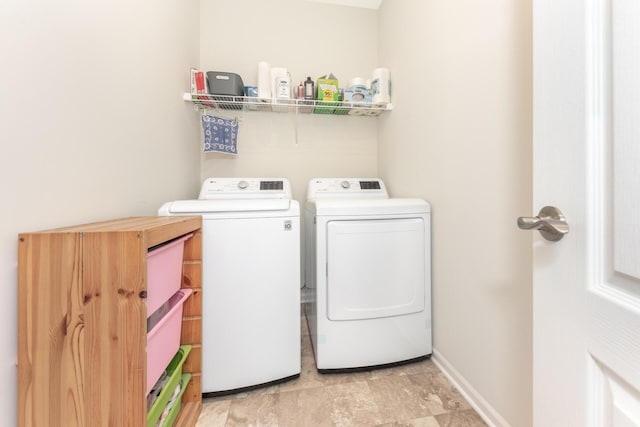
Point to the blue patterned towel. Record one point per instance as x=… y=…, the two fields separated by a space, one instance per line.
x=220 y=135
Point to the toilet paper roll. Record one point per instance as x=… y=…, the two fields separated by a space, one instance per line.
x=264 y=80
x=357 y=82
x=381 y=86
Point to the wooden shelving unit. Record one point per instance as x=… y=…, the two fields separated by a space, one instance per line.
x=82 y=322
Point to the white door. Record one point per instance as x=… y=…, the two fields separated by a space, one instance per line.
x=586 y=290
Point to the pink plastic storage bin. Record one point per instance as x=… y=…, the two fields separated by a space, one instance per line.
x=164 y=272
x=163 y=341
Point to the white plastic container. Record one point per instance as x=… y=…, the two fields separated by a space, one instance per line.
x=277 y=72
x=381 y=86
x=283 y=87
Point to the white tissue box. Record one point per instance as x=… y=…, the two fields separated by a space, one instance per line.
x=357 y=96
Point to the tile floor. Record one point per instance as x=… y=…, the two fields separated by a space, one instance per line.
x=415 y=394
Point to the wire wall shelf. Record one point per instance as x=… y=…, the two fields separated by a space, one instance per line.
x=224 y=102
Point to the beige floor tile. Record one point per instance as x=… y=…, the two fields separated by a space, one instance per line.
x=425 y=366
x=378 y=373
x=468 y=418
x=331 y=378
x=440 y=394
x=256 y=410
x=346 y=411
x=305 y=346
x=268 y=389
x=308 y=377
x=412 y=395
x=304 y=329
x=418 y=422
x=348 y=404
x=214 y=414
x=305 y=407
x=398 y=398
x=424 y=422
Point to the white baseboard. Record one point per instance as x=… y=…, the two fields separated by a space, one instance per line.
x=482 y=407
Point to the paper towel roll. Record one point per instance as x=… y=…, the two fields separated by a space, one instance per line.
x=381 y=86
x=264 y=80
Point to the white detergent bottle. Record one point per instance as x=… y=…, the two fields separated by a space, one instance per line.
x=283 y=87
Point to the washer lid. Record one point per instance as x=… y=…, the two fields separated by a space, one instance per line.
x=240 y=205
x=245 y=188
x=343 y=207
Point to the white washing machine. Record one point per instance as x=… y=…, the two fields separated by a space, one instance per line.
x=250 y=281
x=368 y=263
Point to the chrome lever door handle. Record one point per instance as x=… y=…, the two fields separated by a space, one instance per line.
x=550 y=222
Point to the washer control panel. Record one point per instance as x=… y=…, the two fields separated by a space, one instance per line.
x=245 y=188
x=346 y=187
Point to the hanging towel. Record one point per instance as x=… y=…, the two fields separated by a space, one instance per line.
x=220 y=135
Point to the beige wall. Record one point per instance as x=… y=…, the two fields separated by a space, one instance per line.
x=92 y=124
x=309 y=39
x=93 y=128
x=460 y=136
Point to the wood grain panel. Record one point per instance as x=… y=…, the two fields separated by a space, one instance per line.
x=193 y=305
x=82 y=322
x=192 y=274
x=191 y=330
x=50 y=331
x=189 y=414
x=113 y=282
x=193 y=364
x=178 y=228
x=193 y=393
x=155 y=230
x=193 y=248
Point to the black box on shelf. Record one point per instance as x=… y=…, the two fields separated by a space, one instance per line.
x=228 y=86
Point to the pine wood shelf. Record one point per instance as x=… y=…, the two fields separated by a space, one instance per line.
x=82 y=322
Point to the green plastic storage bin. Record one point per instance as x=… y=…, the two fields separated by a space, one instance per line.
x=175 y=409
x=174 y=371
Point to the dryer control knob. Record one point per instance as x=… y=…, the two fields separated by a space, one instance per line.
x=243 y=185
x=345 y=184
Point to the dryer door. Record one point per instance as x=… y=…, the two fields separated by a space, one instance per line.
x=376 y=268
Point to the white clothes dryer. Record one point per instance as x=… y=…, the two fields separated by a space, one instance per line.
x=250 y=281
x=368 y=263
